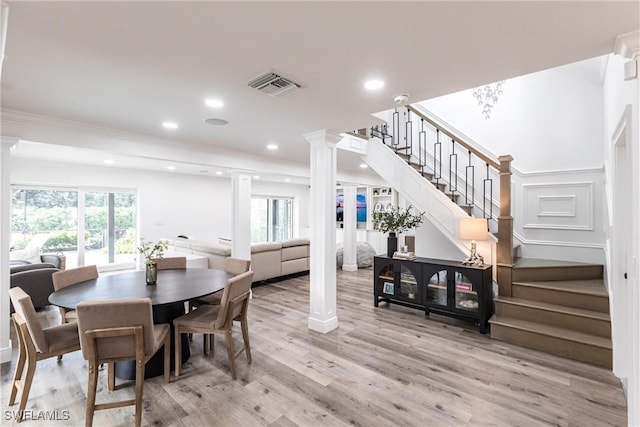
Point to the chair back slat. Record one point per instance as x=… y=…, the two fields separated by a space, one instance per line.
x=24 y=308
x=171 y=263
x=235 y=291
x=236 y=266
x=64 y=278
x=93 y=315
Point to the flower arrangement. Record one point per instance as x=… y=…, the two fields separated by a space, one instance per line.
x=397 y=220
x=150 y=250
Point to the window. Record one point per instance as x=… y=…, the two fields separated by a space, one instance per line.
x=89 y=227
x=271 y=219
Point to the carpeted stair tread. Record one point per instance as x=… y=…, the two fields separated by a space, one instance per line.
x=548 y=263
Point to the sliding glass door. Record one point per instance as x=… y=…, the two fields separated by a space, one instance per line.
x=87 y=226
x=271 y=219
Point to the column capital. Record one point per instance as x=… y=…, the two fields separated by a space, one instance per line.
x=323 y=136
x=628 y=45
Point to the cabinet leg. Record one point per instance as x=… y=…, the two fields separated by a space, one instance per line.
x=375 y=301
x=426 y=313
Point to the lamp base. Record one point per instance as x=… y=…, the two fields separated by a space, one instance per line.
x=474 y=257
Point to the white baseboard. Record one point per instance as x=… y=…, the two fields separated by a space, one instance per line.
x=323 y=326
x=5 y=354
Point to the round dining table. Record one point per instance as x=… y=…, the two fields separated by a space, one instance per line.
x=172 y=289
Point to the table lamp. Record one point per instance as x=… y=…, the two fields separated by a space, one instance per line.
x=473 y=229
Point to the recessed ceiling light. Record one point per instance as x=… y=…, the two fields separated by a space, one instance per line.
x=272 y=147
x=169 y=125
x=214 y=103
x=256 y=176
x=108 y=162
x=287 y=180
x=374 y=84
x=364 y=165
x=216 y=122
x=171 y=168
x=218 y=173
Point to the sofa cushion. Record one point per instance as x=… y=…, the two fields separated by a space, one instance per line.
x=295 y=266
x=295 y=252
x=295 y=242
x=212 y=249
x=267 y=246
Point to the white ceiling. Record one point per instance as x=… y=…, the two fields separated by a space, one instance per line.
x=128 y=66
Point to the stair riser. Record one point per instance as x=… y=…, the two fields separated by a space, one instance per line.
x=557 y=273
x=569 y=299
x=577 y=351
x=587 y=325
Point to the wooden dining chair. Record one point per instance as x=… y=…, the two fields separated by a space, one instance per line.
x=171 y=263
x=62 y=279
x=35 y=344
x=234 y=266
x=218 y=319
x=118 y=330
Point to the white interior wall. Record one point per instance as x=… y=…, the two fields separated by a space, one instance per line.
x=170 y=204
x=541 y=119
x=620 y=95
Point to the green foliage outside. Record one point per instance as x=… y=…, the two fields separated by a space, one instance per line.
x=127 y=243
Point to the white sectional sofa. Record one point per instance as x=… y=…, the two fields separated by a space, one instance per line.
x=268 y=260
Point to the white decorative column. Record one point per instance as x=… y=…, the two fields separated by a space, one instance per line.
x=5 y=241
x=350 y=258
x=240 y=215
x=322 y=294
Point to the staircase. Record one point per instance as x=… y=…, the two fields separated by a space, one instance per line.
x=556 y=307
x=552 y=306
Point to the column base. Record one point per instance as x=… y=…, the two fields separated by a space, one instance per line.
x=323 y=326
x=350 y=267
x=5 y=354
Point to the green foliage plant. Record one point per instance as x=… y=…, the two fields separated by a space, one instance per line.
x=152 y=250
x=397 y=220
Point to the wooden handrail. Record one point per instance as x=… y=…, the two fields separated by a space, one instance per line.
x=458 y=141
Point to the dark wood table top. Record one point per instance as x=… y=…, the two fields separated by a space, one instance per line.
x=172 y=286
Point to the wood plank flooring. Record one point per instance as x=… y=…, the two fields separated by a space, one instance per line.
x=385 y=366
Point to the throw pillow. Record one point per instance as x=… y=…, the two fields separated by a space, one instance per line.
x=31 y=255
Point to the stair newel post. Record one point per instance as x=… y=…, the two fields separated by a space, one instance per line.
x=505 y=229
x=453 y=170
x=469 y=176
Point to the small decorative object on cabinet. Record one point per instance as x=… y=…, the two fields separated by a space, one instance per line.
x=436 y=286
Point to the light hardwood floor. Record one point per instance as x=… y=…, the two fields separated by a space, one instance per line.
x=383 y=366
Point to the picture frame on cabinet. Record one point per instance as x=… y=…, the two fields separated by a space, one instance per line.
x=387 y=288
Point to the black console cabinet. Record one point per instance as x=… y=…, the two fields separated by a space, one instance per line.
x=438 y=286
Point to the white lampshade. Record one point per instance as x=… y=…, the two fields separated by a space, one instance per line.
x=473 y=228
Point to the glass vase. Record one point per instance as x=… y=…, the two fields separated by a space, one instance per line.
x=151 y=273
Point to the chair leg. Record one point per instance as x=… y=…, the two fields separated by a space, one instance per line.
x=177 y=343
x=205 y=344
x=245 y=337
x=232 y=359
x=167 y=358
x=26 y=388
x=139 y=390
x=91 y=393
x=18 y=374
x=111 y=375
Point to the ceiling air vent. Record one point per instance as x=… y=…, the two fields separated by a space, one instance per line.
x=273 y=84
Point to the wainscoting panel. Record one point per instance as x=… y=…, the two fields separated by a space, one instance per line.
x=559 y=206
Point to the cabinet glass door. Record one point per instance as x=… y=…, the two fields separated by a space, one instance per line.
x=386 y=281
x=408 y=285
x=437 y=289
x=466 y=297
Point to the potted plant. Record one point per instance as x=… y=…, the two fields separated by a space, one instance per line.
x=150 y=251
x=395 y=221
